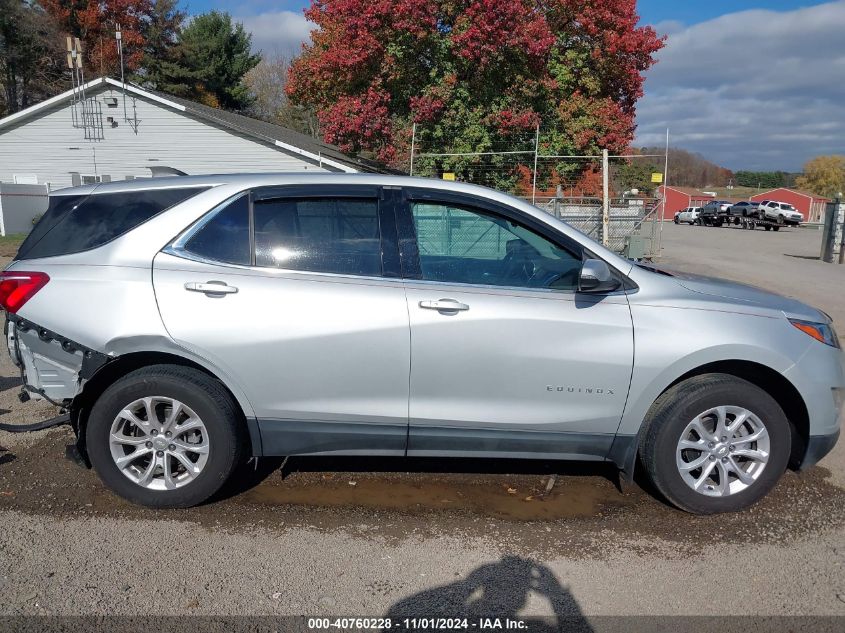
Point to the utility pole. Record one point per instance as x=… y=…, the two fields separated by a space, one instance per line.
x=119 y=37
x=605 y=205
x=665 y=184
x=536 y=152
x=413 y=142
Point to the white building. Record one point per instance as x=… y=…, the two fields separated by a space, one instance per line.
x=94 y=135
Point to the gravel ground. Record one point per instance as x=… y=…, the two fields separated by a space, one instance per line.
x=374 y=537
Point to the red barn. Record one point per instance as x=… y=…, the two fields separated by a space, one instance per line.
x=811 y=205
x=679 y=198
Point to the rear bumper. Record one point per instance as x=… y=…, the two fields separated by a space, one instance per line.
x=53 y=367
x=817 y=447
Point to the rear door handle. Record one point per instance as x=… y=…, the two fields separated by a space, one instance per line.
x=444 y=305
x=211 y=287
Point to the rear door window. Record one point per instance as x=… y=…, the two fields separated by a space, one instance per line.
x=327 y=235
x=96 y=220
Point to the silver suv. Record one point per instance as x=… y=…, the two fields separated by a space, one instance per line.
x=187 y=323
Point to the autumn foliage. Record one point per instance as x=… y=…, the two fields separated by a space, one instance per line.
x=93 y=22
x=473 y=74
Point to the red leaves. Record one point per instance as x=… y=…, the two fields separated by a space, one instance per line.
x=510 y=121
x=472 y=72
x=359 y=122
x=489 y=28
x=94 y=23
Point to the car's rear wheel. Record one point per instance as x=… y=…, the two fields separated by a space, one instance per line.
x=165 y=436
x=715 y=443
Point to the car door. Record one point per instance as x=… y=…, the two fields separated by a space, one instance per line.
x=295 y=293
x=507 y=358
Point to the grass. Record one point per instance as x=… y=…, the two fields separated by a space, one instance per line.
x=741 y=193
x=9 y=244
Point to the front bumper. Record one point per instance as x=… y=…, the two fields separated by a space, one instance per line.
x=817 y=447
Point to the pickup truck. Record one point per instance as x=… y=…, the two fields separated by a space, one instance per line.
x=688 y=215
x=715 y=213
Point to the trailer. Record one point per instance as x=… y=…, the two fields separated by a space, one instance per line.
x=746 y=222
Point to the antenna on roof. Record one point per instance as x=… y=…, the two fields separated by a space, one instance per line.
x=74 y=62
x=119 y=37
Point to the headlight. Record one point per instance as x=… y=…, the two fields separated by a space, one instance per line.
x=822 y=332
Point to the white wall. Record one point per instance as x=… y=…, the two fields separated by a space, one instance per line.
x=48 y=145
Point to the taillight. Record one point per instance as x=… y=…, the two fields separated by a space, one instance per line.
x=18 y=287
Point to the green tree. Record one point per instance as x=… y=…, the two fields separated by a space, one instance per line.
x=211 y=57
x=636 y=174
x=161 y=29
x=824 y=175
x=761 y=179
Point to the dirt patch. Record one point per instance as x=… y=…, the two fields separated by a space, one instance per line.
x=584 y=514
x=517 y=498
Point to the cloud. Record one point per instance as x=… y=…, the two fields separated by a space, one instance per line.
x=280 y=32
x=754 y=89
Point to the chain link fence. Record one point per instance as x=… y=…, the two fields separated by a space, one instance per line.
x=628 y=216
x=609 y=198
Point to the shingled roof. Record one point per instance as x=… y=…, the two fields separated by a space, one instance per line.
x=270 y=132
x=277 y=135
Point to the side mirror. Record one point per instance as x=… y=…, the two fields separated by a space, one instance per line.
x=596 y=278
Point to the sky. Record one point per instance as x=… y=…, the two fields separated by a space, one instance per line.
x=748 y=84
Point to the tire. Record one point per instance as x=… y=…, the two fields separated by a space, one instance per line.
x=676 y=221
x=780 y=219
x=768 y=228
x=776 y=228
x=691 y=223
x=218 y=438
x=675 y=411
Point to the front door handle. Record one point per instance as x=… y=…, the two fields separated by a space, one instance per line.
x=444 y=305
x=211 y=287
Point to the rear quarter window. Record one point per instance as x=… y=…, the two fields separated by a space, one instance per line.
x=73 y=224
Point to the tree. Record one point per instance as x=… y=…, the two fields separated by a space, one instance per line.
x=474 y=75
x=209 y=62
x=31 y=58
x=762 y=179
x=687 y=169
x=266 y=85
x=635 y=174
x=824 y=176
x=160 y=29
x=94 y=23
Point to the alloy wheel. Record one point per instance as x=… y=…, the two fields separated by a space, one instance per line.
x=723 y=451
x=159 y=443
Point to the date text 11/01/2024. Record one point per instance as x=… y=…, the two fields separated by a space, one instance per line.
x=414 y=624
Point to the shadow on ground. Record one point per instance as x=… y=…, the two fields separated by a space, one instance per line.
x=497 y=590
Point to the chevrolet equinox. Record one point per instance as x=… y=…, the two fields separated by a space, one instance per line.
x=185 y=324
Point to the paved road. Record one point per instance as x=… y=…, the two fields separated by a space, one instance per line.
x=365 y=536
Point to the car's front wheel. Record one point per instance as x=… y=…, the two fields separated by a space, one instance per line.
x=165 y=436
x=715 y=443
